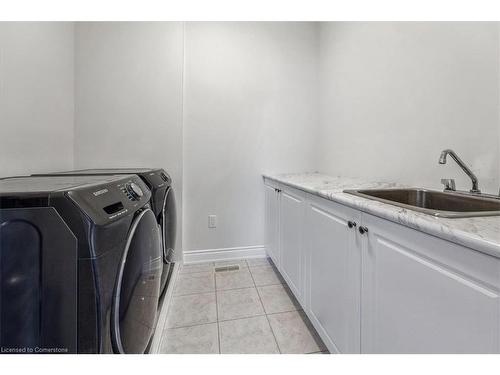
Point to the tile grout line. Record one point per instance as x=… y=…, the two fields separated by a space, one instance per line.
x=233 y=319
x=268 y=322
x=194 y=294
x=191 y=325
x=222 y=290
x=217 y=310
x=283 y=312
x=225 y=290
x=242 y=317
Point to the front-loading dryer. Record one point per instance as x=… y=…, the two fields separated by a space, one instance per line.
x=80 y=260
x=162 y=203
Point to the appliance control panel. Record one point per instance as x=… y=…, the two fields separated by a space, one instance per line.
x=112 y=200
x=159 y=178
x=132 y=191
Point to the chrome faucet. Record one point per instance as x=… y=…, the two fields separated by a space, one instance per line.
x=472 y=176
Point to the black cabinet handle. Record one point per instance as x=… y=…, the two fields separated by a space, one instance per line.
x=351 y=224
x=363 y=230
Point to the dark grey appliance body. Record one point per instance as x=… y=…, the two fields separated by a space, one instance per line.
x=162 y=204
x=80 y=265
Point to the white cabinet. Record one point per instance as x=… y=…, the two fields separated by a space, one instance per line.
x=292 y=206
x=284 y=233
x=384 y=289
x=272 y=222
x=422 y=294
x=333 y=274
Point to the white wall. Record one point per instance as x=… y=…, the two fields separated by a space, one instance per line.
x=129 y=97
x=391 y=97
x=36 y=97
x=395 y=94
x=250 y=107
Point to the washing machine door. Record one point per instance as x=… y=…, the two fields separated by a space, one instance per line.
x=137 y=286
x=168 y=224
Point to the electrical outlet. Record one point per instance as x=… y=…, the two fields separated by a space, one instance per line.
x=212 y=221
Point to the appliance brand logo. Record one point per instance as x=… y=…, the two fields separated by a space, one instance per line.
x=100 y=192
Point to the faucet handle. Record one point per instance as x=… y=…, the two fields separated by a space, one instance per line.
x=449 y=184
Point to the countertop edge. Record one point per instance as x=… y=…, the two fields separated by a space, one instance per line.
x=414 y=220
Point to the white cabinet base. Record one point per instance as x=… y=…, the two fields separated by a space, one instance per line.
x=272 y=222
x=425 y=295
x=391 y=289
x=292 y=209
x=333 y=274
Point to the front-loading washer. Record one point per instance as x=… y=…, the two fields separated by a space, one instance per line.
x=162 y=203
x=80 y=260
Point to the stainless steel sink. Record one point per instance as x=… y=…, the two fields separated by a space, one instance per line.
x=436 y=203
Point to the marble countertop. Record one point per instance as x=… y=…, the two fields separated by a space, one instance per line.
x=479 y=233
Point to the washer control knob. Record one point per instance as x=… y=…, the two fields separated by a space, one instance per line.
x=134 y=190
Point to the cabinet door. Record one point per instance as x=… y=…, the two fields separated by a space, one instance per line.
x=333 y=274
x=425 y=295
x=291 y=230
x=272 y=222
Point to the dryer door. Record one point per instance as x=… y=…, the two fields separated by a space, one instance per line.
x=168 y=223
x=137 y=287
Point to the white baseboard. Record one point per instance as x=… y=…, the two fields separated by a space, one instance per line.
x=229 y=253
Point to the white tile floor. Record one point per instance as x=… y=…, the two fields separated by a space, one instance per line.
x=249 y=310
